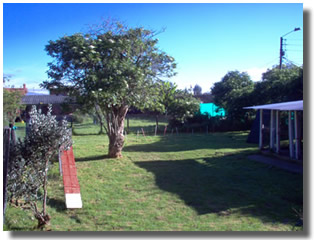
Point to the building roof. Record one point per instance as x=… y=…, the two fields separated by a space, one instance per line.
x=46 y=99
x=284 y=106
x=23 y=90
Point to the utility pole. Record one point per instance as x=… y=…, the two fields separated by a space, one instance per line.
x=281 y=51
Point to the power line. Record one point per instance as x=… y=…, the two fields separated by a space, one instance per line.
x=272 y=61
x=294 y=50
x=289 y=44
x=292 y=62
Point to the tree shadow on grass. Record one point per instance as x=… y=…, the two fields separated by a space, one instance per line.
x=187 y=142
x=91 y=158
x=230 y=184
x=87 y=134
x=57 y=204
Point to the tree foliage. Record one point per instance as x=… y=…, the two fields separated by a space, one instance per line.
x=236 y=90
x=114 y=67
x=233 y=93
x=30 y=160
x=164 y=97
x=11 y=105
x=184 y=106
x=279 y=85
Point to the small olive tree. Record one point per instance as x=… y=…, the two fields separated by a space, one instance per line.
x=30 y=160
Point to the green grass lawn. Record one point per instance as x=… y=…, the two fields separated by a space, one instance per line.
x=179 y=182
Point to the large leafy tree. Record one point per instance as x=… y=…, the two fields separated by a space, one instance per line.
x=183 y=106
x=112 y=66
x=233 y=93
x=279 y=85
x=164 y=99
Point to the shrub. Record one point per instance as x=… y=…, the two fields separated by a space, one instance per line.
x=30 y=160
x=78 y=117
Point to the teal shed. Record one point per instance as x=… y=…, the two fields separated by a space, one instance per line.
x=212 y=110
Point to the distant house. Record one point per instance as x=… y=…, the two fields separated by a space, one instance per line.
x=204 y=98
x=23 y=90
x=61 y=105
x=46 y=99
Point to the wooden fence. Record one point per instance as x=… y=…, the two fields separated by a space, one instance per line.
x=8 y=139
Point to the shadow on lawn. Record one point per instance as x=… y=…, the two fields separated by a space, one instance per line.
x=57 y=204
x=87 y=134
x=91 y=158
x=230 y=184
x=186 y=142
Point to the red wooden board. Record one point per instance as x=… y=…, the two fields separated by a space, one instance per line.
x=70 y=181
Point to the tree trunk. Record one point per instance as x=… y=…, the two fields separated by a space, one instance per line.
x=115 y=145
x=157 y=121
x=100 y=119
x=101 y=131
x=42 y=218
x=45 y=183
x=115 y=122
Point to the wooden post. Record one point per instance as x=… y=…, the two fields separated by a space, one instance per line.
x=13 y=136
x=272 y=128
x=277 y=131
x=165 y=130
x=297 y=135
x=155 y=130
x=60 y=162
x=260 y=129
x=291 y=147
x=6 y=155
x=143 y=132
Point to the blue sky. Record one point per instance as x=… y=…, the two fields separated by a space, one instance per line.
x=207 y=40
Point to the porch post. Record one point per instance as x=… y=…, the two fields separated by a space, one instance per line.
x=260 y=129
x=291 y=147
x=297 y=135
x=272 y=130
x=277 y=131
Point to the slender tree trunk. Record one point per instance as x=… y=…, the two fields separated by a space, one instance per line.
x=45 y=191
x=101 y=122
x=115 y=122
x=44 y=218
x=101 y=131
x=157 y=121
